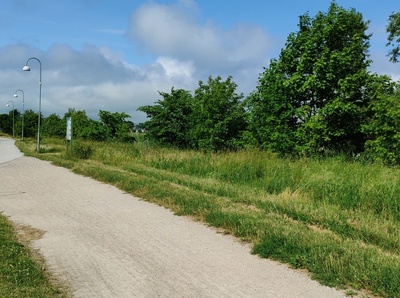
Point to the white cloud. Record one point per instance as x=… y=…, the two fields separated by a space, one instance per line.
x=382 y=65
x=174 y=31
x=176 y=70
x=92 y=79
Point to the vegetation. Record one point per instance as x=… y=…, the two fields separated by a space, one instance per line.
x=330 y=206
x=313 y=94
x=317 y=99
x=337 y=218
x=170 y=118
x=214 y=119
x=109 y=127
x=20 y=276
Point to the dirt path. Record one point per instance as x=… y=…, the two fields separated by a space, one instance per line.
x=105 y=243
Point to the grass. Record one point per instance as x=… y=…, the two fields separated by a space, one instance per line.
x=20 y=274
x=338 y=219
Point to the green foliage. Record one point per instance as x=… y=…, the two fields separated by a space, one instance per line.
x=218 y=115
x=214 y=119
x=312 y=99
x=115 y=124
x=30 y=124
x=393 y=30
x=271 y=117
x=384 y=130
x=82 y=151
x=6 y=123
x=95 y=131
x=111 y=126
x=80 y=122
x=169 y=122
x=54 y=126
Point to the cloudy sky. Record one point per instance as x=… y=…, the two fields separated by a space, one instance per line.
x=115 y=55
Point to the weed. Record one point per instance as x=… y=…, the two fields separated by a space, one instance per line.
x=82 y=151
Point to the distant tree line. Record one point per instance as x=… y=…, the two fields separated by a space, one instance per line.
x=109 y=127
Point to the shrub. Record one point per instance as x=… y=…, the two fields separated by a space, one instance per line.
x=82 y=151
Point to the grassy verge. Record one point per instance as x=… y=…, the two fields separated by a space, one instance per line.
x=338 y=219
x=20 y=275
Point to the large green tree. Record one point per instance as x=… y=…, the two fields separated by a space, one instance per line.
x=169 y=122
x=219 y=118
x=313 y=97
x=393 y=30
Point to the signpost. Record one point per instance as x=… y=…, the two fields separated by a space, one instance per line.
x=69 y=134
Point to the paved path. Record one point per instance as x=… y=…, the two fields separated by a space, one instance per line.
x=8 y=151
x=105 y=243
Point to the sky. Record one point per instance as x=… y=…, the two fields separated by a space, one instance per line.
x=117 y=55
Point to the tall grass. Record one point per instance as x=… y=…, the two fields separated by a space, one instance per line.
x=338 y=219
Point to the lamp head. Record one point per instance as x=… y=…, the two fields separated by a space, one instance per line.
x=7 y=105
x=15 y=95
x=26 y=68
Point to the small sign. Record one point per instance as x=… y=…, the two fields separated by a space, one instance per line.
x=69 y=129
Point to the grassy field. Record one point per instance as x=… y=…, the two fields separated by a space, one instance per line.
x=338 y=219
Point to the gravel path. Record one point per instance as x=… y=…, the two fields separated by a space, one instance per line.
x=103 y=242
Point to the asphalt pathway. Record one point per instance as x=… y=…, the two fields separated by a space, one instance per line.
x=102 y=242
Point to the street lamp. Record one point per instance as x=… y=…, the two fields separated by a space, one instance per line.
x=7 y=105
x=27 y=68
x=23 y=109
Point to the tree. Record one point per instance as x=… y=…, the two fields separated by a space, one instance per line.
x=383 y=126
x=80 y=122
x=393 y=29
x=116 y=125
x=312 y=98
x=219 y=118
x=5 y=123
x=30 y=123
x=54 y=126
x=95 y=131
x=169 y=122
x=271 y=115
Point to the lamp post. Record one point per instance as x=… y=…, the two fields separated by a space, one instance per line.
x=27 y=68
x=7 y=105
x=23 y=109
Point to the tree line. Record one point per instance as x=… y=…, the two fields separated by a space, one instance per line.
x=109 y=127
x=316 y=98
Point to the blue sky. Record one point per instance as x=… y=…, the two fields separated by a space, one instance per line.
x=116 y=55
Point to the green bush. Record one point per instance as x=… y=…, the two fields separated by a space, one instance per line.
x=83 y=151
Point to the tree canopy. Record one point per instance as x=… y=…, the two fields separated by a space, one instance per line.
x=212 y=119
x=169 y=122
x=312 y=98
